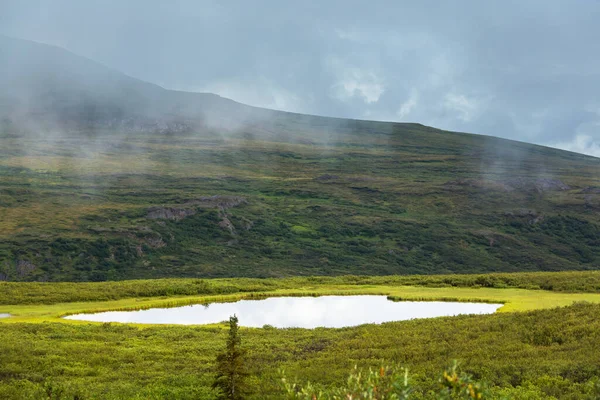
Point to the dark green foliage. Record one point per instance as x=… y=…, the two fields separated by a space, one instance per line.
x=231 y=368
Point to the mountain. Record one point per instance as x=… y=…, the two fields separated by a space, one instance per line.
x=61 y=90
x=103 y=176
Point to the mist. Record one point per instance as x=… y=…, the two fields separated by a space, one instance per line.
x=520 y=71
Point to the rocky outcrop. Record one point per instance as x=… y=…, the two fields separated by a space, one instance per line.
x=25 y=267
x=174 y=214
x=226 y=224
x=221 y=203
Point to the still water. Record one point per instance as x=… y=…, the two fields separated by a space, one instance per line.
x=300 y=312
x=4 y=315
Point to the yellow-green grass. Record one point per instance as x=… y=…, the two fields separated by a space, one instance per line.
x=514 y=300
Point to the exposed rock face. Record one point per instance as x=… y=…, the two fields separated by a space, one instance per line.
x=174 y=214
x=25 y=267
x=221 y=203
x=226 y=224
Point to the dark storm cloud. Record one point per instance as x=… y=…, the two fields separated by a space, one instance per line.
x=522 y=70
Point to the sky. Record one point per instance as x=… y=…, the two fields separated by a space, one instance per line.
x=523 y=70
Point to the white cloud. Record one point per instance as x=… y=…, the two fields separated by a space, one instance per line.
x=582 y=143
x=365 y=86
x=406 y=107
x=585 y=140
x=352 y=82
x=464 y=107
x=262 y=93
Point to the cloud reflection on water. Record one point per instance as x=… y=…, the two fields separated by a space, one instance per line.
x=302 y=312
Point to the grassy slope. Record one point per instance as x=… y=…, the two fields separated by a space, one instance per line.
x=529 y=355
x=324 y=197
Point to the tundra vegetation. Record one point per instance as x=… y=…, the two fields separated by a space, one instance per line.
x=548 y=352
x=332 y=197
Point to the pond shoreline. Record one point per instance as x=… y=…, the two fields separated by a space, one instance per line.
x=297 y=312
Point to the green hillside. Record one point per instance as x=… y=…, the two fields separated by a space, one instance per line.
x=103 y=176
x=294 y=195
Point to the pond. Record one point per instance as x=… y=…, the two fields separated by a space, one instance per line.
x=299 y=312
x=2 y=315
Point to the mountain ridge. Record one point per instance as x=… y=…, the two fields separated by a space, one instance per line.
x=187 y=96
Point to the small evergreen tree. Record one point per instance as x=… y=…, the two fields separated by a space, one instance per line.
x=231 y=369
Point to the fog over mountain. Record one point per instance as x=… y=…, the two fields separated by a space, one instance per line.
x=46 y=88
x=525 y=71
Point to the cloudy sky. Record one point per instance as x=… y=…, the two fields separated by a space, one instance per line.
x=525 y=70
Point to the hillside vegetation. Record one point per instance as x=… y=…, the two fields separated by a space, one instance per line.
x=375 y=198
x=539 y=354
x=104 y=177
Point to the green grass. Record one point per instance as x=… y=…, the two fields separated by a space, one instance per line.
x=542 y=344
x=365 y=198
x=13 y=293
